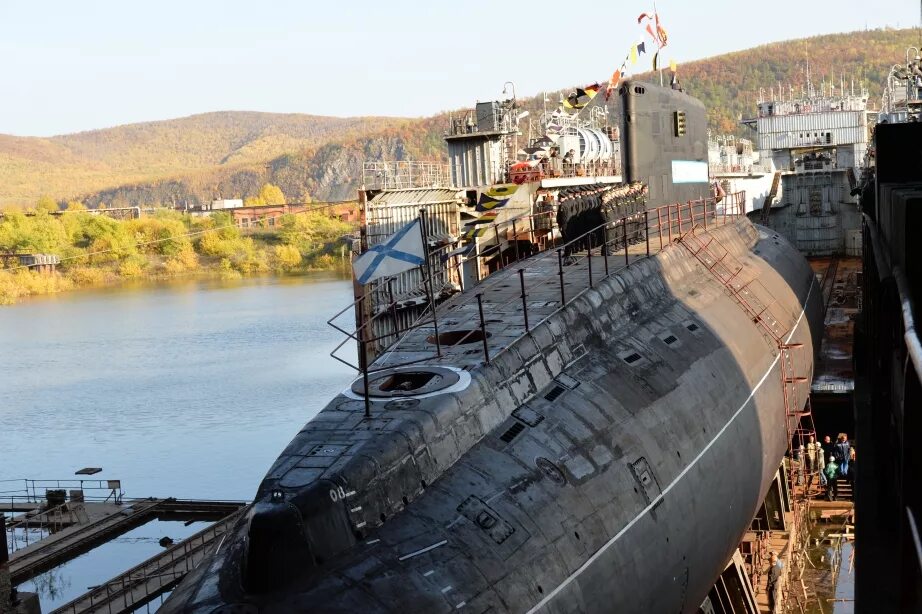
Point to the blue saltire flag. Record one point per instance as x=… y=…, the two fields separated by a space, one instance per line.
x=401 y=252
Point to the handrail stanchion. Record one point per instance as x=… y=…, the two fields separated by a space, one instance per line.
x=705 y=214
x=515 y=240
x=646 y=230
x=483 y=328
x=363 y=361
x=499 y=248
x=563 y=296
x=605 y=248
x=624 y=231
x=589 y=260
x=524 y=302
x=659 y=226
x=424 y=226
x=669 y=216
x=390 y=298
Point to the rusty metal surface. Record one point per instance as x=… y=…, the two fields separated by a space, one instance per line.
x=840 y=279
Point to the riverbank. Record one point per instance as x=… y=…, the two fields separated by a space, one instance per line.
x=97 y=251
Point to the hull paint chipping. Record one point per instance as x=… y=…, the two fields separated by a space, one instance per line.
x=609 y=460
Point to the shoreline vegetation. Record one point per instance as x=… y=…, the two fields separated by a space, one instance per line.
x=96 y=250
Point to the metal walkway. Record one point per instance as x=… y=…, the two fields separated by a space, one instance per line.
x=155 y=576
x=106 y=521
x=73 y=541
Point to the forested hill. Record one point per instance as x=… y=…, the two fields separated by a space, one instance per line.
x=201 y=152
x=729 y=84
x=232 y=154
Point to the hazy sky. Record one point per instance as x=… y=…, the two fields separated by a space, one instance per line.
x=70 y=66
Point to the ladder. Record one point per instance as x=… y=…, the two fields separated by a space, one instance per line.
x=727 y=270
x=767 y=205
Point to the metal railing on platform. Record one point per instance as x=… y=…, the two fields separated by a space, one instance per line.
x=598 y=248
x=36 y=491
x=147 y=581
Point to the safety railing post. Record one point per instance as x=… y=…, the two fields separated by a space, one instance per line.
x=605 y=248
x=705 y=212
x=499 y=247
x=524 y=302
x=563 y=296
x=646 y=230
x=669 y=218
x=589 y=260
x=624 y=231
x=515 y=241
x=483 y=329
x=363 y=360
x=390 y=298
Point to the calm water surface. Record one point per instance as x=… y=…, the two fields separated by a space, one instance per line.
x=187 y=390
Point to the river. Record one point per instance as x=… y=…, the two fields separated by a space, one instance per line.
x=187 y=389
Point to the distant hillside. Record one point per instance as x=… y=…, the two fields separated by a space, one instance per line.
x=231 y=154
x=728 y=84
x=74 y=165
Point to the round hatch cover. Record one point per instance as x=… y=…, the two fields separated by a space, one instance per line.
x=406 y=381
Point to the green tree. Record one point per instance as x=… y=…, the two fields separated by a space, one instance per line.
x=268 y=195
x=46 y=203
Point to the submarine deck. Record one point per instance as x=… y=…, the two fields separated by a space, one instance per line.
x=476 y=325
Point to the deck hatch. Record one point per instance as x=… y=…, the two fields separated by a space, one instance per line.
x=567 y=382
x=527 y=415
x=485 y=517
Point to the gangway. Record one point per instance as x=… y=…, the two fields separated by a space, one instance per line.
x=145 y=582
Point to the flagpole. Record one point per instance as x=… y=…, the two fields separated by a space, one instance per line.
x=424 y=229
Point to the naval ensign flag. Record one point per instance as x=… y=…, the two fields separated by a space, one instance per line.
x=402 y=251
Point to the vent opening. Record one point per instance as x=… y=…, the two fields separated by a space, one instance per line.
x=459 y=337
x=632 y=358
x=512 y=432
x=670 y=340
x=692 y=327
x=554 y=393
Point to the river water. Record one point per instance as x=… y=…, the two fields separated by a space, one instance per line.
x=188 y=389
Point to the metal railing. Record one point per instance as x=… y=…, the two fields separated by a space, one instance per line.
x=34 y=491
x=154 y=576
x=400 y=175
x=561 y=169
x=890 y=369
x=27 y=529
x=757 y=167
x=598 y=248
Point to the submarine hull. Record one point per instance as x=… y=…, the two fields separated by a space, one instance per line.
x=609 y=460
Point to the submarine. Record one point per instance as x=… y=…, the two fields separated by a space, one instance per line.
x=605 y=452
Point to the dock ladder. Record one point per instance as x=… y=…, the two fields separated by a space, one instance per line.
x=728 y=270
